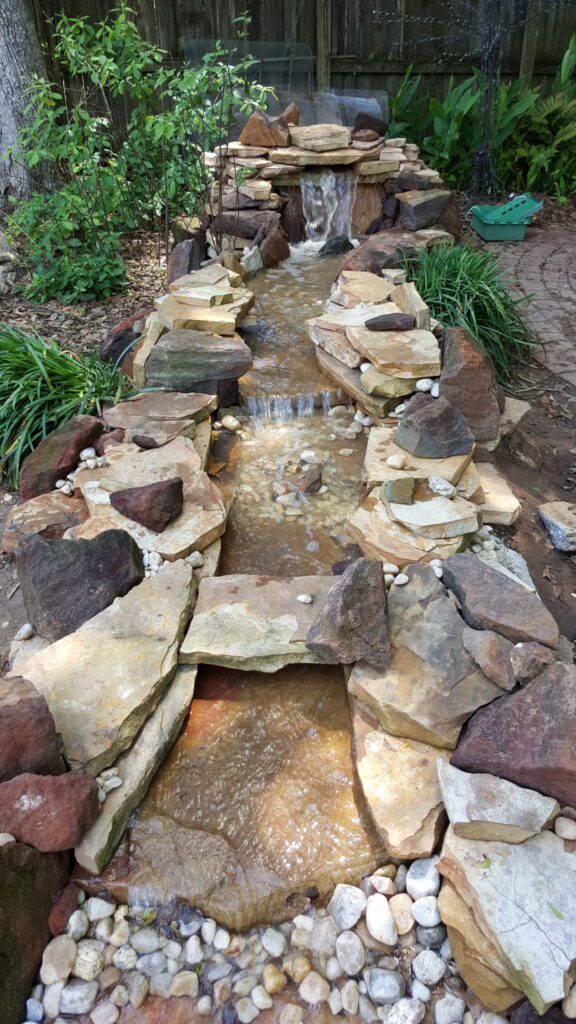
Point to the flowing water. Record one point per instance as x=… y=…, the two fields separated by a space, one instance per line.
x=328 y=200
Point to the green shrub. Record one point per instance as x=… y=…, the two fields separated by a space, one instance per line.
x=466 y=287
x=41 y=387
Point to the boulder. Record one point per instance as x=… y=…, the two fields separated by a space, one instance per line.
x=529 y=921
x=468 y=382
x=28 y=740
x=121 y=338
x=186 y=360
x=49 y=812
x=336 y=246
x=433 y=685
x=391 y=322
x=432 y=428
x=49 y=515
x=186 y=256
x=422 y=209
x=400 y=782
x=482 y=806
x=491 y=600
x=66 y=582
x=57 y=455
x=247 y=223
x=528 y=737
x=104 y=680
x=154 y=505
x=352 y=625
x=274 y=248
x=263 y=130
x=291 y=115
x=386 y=249
x=29 y=881
x=559 y=518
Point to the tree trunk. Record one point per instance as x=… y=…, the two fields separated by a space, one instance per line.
x=20 y=58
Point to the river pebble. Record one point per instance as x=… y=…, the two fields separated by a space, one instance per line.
x=406 y=1011
x=314 y=989
x=565 y=828
x=449 y=1010
x=350 y=953
x=89 y=962
x=78 y=996
x=350 y=996
x=428 y=967
x=384 y=987
x=425 y=911
x=58 y=960
x=346 y=906
x=105 y=1013
x=423 y=878
x=97 y=908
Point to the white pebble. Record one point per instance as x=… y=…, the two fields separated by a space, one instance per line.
x=388 y=579
x=389 y=567
x=401 y=579
x=221 y=939
x=439 y=485
x=193 y=952
x=423 y=878
x=424 y=384
x=396 y=460
x=59 y=484
x=425 y=911
x=195 y=559
x=365 y=366
x=204 y=1006
x=26 y=632
x=6 y=837
x=305 y=598
x=435 y=390
x=438 y=571
x=208 y=931
x=310 y=457
x=231 y=424
x=97 y=908
x=565 y=828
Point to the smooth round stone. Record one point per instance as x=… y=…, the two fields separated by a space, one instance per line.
x=428 y=967
x=305 y=598
x=34 y=1011
x=340 y=412
x=379 y=920
x=104 y=929
x=78 y=996
x=120 y=934
x=191 y=921
x=400 y=580
x=292 y=1014
x=565 y=828
x=204 y=1006
x=309 y=457
x=273 y=979
x=400 y=878
x=119 y=995
x=440 y=486
x=87 y=453
x=137 y=988
x=105 y=1013
x=383 y=885
x=406 y=1011
x=145 y=940
x=322 y=938
x=26 y=632
x=208 y=930
x=390 y=568
x=314 y=988
x=420 y=991
x=350 y=953
x=303 y=921
x=297 y=967
x=260 y=997
x=401 y=909
x=425 y=911
x=214 y=972
x=151 y=964
x=396 y=460
x=335 y=1001
x=78 y=925
x=51 y=999
x=569 y=1004
x=366 y=1010
x=244 y=984
x=384 y=987
x=423 y=878
x=89 y=962
x=424 y=384
x=346 y=907
x=161 y=984
x=300 y=938
x=58 y=960
x=231 y=423
x=172 y=949
x=97 y=908
x=274 y=942
x=445 y=950
x=333 y=970
x=449 y=1010
x=432 y=938
x=350 y=995
x=221 y=939
x=125 y=958
x=193 y=952
x=492 y=1018
x=185 y=983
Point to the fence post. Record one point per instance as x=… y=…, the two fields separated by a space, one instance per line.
x=323 y=26
x=530 y=41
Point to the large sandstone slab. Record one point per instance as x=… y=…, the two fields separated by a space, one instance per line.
x=499 y=505
x=524 y=898
x=438 y=517
x=492 y=601
x=203 y=516
x=311 y=158
x=477 y=958
x=381 y=446
x=433 y=685
x=137 y=768
x=320 y=137
x=380 y=537
x=384 y=384
x=103 y=681
x=188 y=360
x=482 y=806
x=528 y=736
x=49 y=515
x=400 y=782
x=160 y=415
x=357 y=286
x=408 y=298
x=407 y=354
x=350 y=381
x=255 y=622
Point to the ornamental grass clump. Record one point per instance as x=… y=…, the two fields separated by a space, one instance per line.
x=467 y=287
x=41 y=387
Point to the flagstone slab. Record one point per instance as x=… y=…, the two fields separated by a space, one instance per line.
x=311 y=158
x=482 y=806
x=49 y=515
x=191 y=360
x=407 y=354
x=524 y=898
x=515 y=412
x=137 y=768
x=386 y=385
x=500 y=505
x=400 y=782
x=433 y=685
x=381 y=446
x=255 y=622
x=214 y=274
x=438 y=518
x=381 y=537
x=103 y=681
x=175 y=315
x=161 y=415
x=408 y=298
x=350 y=381
x=153 y=331
x=320 y=137
x=360 y=286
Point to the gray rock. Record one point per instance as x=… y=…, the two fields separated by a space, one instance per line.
x=323 y=937
x=433 y=429
x=559 y=518
x=188 y=360
x=423 y=878
x=425 y=911
x=449 y=1010
x=433 y=937
x=352 y=625
x=347 y=905
x=350 y=952
x=34 y=1011
x=406 y=1011
x=428 y=967
x=78 y=996
x=384 y=987
x=152 y=963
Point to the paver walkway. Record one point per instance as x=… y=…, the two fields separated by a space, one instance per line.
x=544 y=266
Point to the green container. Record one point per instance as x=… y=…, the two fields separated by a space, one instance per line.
x=498 y=232
x=506 y=223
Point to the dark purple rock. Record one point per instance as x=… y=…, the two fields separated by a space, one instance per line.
x=391 y=322
x=432 y=428
x=420 y=209
x=152 y=505
x=185 y=257
x=365 y=120
x=526 y=1014
x=353 y=625
x=336 y=246
x=468 y=381
x=28 y=740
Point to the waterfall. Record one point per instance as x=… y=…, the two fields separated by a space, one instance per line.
x=280 y=409
x=328 y=200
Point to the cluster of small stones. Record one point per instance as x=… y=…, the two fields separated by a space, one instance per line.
x=89 y=459
x=108 y=780
x=378 y=951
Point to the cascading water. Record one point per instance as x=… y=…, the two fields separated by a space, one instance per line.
x=328 y=201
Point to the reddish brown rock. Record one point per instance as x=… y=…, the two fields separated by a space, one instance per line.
x=274 y=249
x=391 y=322
x=529 y=660
x=450 y=219
x=527 y=737
x=468 y=381
x=64 y=905
x=57 y=455
x=266 y=131
x=386 y=249
x=152 y=505
x=29 y=882
x=491 y=600
x=246 y=223
x=310 y=481
x=293 y=220
x=365 y=135
x=432 y=428
x=353 y=625
x=49 y=812
x=526 y=1014
x=493 y=654
x=364 y=120
x=123 y=335
x=292 y=114
x=28 y=740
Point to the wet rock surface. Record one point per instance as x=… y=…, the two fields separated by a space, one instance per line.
x=352 y=625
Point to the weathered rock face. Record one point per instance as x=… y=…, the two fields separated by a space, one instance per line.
x=160 y=415
x=66 y=582
x=468 y=382
x=530 y=923
x=381 y=250
x=255 y=622
x=103 y=681
x=257 y=807
x=528 y=737
x=247 y=223
x=274 y=248
x=49 y=812
x=491 y=600
x=493 y=654
x=48 y=515
x=478 y=960
x=152 y=505
x=352 y=625
x=433 y=685
x=400 y=782
x=432 y=428
x=28 y=740
x=422 y=209
x=186 y=256
x=559 y=518
x=482 y=806
x=320 y=138
x=186 y=360
x=407 y=354
x=57 y=455
x=381 y=537
x=29 y=881
x=263 y=130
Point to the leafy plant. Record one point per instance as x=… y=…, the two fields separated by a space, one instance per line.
x=41 y=387
x=466 y=287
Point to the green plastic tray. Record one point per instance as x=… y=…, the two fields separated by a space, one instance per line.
x=498 y=232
